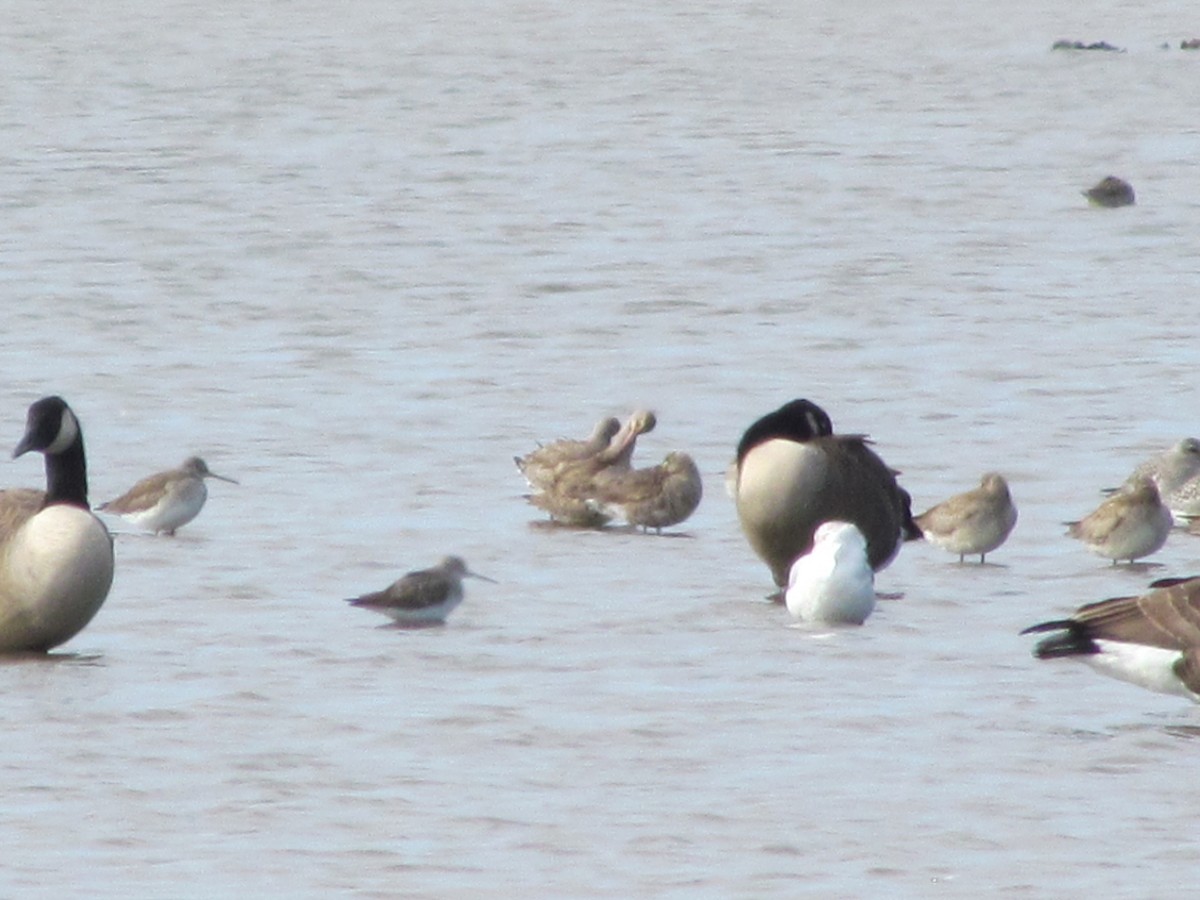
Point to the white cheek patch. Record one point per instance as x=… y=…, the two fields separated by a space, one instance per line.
x=68 y=431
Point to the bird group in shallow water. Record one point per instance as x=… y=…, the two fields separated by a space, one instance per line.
x=821 y=509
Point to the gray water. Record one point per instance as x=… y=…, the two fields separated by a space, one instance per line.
x=359 y=255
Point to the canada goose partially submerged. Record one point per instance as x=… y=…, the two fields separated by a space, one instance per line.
x=793 y=473
x=56 y=557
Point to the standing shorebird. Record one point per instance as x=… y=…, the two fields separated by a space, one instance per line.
x=1152 y=641
x=56 y=557
x=793 y=473
x=166 y=501
x=538 y=466
x=423 y=597
x=833 y=583
x=1130 y=524
x=976 y=521
x=569 y=493
x=657 y=497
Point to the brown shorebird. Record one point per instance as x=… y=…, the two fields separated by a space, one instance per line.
x=166 y=501
x=976 y=521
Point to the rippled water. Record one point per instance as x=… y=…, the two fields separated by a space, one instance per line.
x=359 y=255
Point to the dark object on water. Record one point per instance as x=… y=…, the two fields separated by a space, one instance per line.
x=1080 y=45
x=1111 y=191
x=1193 y=44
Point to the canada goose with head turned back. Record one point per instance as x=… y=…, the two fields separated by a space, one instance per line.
x=166 y=501
x=793 y=473
x=1152 y=640
x=56 y=557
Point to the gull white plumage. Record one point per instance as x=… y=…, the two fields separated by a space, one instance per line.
x=833 y=583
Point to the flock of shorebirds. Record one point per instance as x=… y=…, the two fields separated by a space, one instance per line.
x=821 y=509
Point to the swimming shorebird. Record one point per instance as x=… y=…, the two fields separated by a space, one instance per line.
x=569 y=494
x=1110 y=192
x=1152 y=641
x=1131 y=524
x=833 y=583
x=423 y=597
x=656 y=497
x=56 y=558
x=976 y=521
x=793 y=473
x=538 y=466
x=166 y=501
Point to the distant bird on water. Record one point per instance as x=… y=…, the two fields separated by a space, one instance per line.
x=1152 y=640
x=976 y=521
x=655 y=497
x=539 y=465
x=166 y=501
x=423 y=597
x=833 y=583
x=1110 y=192
x=793 y=473
x=56 y=557
x=1131 y=524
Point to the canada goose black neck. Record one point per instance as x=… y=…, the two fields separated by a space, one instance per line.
x=798 y=420
x=52 y=429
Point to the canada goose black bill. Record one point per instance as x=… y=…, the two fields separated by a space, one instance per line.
x=793 y=473
x=56 y=557
x=1152 y=640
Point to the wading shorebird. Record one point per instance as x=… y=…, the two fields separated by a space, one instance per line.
x=1152 y=641
x=423 y=597
x=166 y=501
x=56 y=557
x=657 y=497
x=568 y=495
x=1131 y=524
x=793 y=473
x=538 y=466
x=976 y=521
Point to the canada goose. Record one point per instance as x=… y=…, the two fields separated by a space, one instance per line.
x=166 y=501
x=976 y=521
x=1130 y=524
x=423 y=597
x=56 y=557
x=538 y=466
x=1152 y=641
x=655 y=497
x=793 y=473
x=833 y=583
